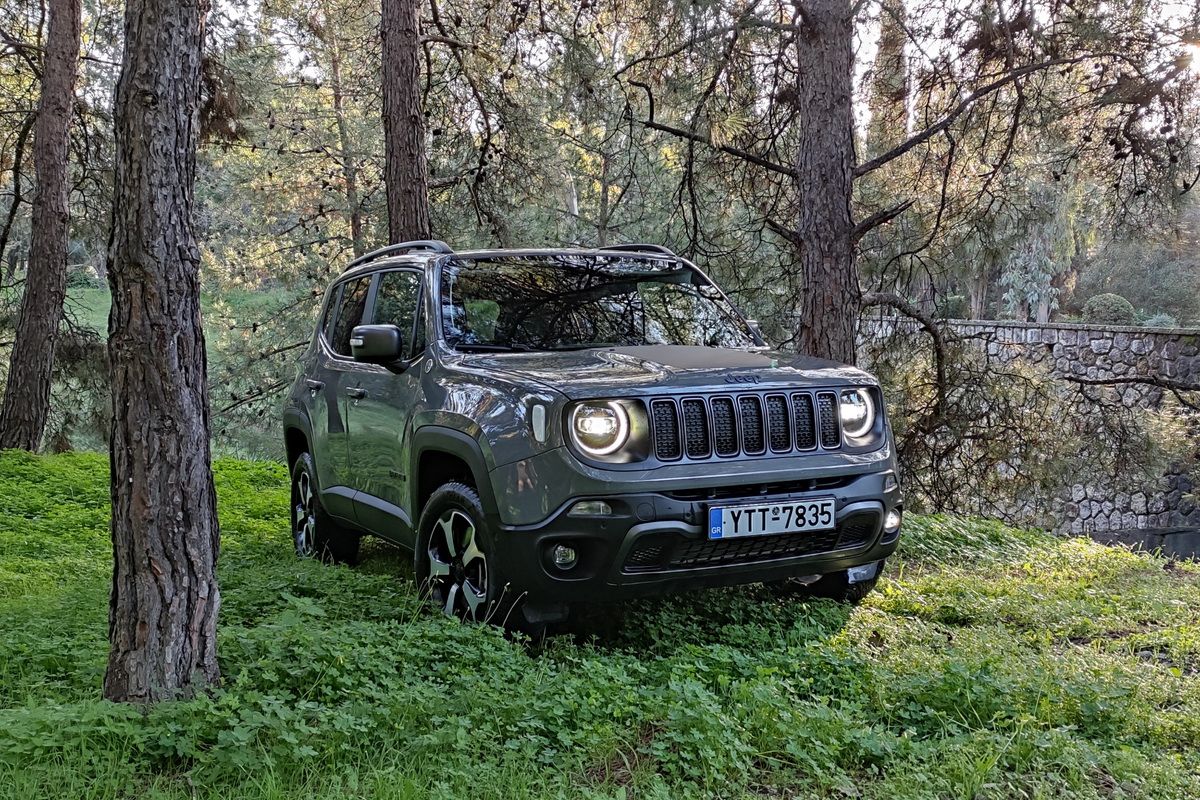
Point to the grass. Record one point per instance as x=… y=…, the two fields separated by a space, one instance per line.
x=992 y=663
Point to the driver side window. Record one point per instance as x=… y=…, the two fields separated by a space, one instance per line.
x=398 y=302
x=350 y=314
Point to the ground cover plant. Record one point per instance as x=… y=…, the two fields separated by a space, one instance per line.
x=991 y=663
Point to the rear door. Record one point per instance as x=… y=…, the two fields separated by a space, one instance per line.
x=327 y=399
x=381 y=411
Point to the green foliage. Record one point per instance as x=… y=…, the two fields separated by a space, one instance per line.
x=955 y=306
x=1109 y=309
x=1160 y=320
x=992 y=663
x=1158 y=275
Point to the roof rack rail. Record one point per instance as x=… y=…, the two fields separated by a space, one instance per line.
x=436 y=245
x=639 y=247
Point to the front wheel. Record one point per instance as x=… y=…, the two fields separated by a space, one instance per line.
x=315 y=534
x=453 y=556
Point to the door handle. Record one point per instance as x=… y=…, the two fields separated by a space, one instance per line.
x=315 y=386
x=355 y=392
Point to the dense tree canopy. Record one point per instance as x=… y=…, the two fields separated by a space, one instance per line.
x=1006 y=159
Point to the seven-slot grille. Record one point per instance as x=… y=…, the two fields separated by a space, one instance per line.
x=747 y=424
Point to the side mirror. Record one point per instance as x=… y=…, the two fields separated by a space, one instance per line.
x=753 y=323
x=377 y=344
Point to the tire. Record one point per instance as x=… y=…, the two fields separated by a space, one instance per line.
x=315 y=534
x=834 y=586
x=452 y=561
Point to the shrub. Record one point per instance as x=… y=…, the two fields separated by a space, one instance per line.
x=1160 y=320
x=954 y=306
x=1110 y=309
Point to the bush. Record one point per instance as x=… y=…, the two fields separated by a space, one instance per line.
x=1160 y=320
x=1109 y=309
x=954 y=306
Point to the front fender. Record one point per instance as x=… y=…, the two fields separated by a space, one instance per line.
x=462 y=445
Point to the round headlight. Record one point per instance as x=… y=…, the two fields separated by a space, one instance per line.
x=857 y=412
x=599 y=429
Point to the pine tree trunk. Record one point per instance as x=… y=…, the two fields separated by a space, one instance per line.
x=163 y=607
x=830 y=297
x=27 y=395
x=406 y=173
x=346 y=151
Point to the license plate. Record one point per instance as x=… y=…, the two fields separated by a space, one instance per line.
x=725 y=522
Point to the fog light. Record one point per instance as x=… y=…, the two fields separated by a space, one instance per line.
x=564 y=556
x=590 y=508
x=890 y=484
x=891 y=523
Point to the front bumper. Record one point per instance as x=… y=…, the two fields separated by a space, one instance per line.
x=655 y=542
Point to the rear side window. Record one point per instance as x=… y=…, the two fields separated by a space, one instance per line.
x=397 y=302
x=350 y=314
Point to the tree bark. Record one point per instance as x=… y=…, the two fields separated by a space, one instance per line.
x=164 y=601
x=346 y=151
x=15 y=205
x=824 y=167
x=406 y=172
x=27 y=394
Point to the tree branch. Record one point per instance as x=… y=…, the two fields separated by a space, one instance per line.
x=881 y=217
x=948 y=120
x=893 y=300
x=1173 y=385
x=692 y=136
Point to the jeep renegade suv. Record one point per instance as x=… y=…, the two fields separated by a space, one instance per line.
x=549 y=427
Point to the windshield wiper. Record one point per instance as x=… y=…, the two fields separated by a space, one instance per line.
x=587 y=346
x=482 y=347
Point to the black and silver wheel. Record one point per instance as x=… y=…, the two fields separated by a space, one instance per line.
x=314 y=533
x=458 y=571
x=453 y=558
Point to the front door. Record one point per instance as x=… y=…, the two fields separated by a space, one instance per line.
x=384 y=399
x=328 y=401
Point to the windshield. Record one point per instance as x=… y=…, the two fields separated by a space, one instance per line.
x=575 y=302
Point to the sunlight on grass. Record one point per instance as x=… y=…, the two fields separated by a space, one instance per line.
x=991 y=663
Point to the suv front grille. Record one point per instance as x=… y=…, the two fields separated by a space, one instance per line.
x=663 y=551
x=697 y=428
x=666 y=430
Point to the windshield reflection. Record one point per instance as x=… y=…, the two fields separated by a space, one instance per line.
x=571 y=302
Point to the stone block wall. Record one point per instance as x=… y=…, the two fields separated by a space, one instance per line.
x=1098 y=353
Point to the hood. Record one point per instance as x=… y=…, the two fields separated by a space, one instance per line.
x=632 y=371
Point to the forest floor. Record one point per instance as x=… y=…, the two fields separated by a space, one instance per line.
x=991 y=663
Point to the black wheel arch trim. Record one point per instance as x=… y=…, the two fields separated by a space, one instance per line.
x=296 y=418
x=438 y=438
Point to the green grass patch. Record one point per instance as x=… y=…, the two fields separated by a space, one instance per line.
x=992 y=663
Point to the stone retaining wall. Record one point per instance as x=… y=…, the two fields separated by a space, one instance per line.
x=1098 y=353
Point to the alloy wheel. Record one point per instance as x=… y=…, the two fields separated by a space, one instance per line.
x=457 y=573
x=304 y=516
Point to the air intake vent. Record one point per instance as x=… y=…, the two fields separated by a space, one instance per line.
x=666 y=430
x=802 y=415
x=695 y=428
x=778 y=433
x=830 y=435
x=753 y=438
x=724 y=425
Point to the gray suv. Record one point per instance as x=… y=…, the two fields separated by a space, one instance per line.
x=547 y=428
